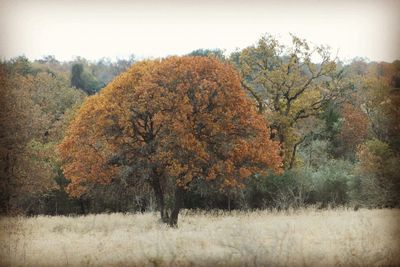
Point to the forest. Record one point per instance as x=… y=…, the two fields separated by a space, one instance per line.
x=271 y=126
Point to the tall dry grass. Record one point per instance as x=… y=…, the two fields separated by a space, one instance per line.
x=263 y=238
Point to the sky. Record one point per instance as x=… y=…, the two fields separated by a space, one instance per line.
x=149 y=28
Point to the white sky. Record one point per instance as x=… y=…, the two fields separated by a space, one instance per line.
x=148 y=28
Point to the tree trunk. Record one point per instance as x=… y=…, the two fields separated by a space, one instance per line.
x=82 y=205
x=160 y=198
x=229 y=202
x=8 y=175
x=293 y=157
x=178 y=204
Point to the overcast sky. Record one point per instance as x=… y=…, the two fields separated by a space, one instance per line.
x=147 y=28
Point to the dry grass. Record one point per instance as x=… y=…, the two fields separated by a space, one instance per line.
x=303 y=238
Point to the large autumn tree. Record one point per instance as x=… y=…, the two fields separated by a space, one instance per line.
x=166 y=123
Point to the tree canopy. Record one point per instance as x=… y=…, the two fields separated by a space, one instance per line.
x=288 y=87
x=34 y=110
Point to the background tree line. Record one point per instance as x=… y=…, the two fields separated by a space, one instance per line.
x=338 y=125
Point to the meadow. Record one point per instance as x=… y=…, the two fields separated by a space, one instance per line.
x=308 y=237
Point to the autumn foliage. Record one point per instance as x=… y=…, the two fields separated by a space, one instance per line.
x=33 y=112
x=355 y=127
x=165 y=123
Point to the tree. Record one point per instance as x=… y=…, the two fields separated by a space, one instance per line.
x=22 y=66
x=167 y=123
x=381 y=102
x=76 y=76
x=217 y=53
x=288 y=87
x=354 y=128
x=378 y=170
x=33 y=114
x=84 y=80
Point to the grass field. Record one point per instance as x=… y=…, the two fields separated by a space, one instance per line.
x=264 y=238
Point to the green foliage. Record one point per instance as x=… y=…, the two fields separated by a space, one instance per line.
x=76 y=76
x=217 y=53
x=313 y=153
x=203 y=195
x=331 y=116
x=22 y=66
x=289 y=190
x=326 y=186
x=331 y=183
x=84 y=80
x=377 y=175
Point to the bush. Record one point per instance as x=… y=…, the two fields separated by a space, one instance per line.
x=326 y=186
x=331 y=183
x=289 y=190
x=377 y=171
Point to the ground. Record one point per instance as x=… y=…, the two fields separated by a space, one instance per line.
x=340 y=237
